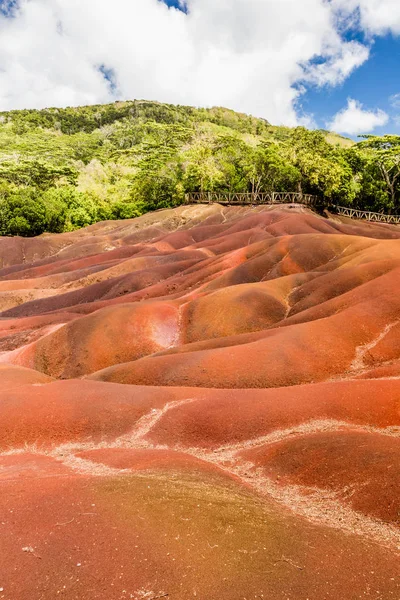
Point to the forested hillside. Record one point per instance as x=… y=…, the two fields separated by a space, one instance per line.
x=61 y=169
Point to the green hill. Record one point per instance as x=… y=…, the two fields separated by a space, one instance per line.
x=61 y=169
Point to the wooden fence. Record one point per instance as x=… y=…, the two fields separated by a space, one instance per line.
x=253 y=199
x=353 y=213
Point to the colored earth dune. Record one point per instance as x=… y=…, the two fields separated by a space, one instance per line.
x=203 y=402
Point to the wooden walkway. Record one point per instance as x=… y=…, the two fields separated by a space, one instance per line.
x=250 y=199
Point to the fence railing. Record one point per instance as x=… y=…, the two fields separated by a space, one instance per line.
x=251 y=198
x=286 y=198
x=353 y=213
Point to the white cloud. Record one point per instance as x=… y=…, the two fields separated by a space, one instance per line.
x=336 y=69
x=395 y=100
x=354 y=120
x=374 y=16
x=250 y=55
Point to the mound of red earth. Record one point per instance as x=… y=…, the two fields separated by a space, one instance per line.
x=203 y=402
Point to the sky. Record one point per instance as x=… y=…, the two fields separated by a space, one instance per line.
x=331 y=64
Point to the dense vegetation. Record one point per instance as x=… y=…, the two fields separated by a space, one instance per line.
x=61 y=169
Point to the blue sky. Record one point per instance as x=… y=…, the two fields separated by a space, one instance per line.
x=373 y=84
x=174 y=4
x=323 y=63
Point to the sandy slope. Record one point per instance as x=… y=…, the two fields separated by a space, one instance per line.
x=201 y=403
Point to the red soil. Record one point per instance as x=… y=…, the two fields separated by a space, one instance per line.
x=73 y=411
x=226 y=420
x=363 y=469
x=188 y=534
x=12 y=377
x=220 y=417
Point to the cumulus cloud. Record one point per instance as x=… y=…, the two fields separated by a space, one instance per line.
x=251 y=55
x=339 y=66
x=374 y=16
x=354 y=119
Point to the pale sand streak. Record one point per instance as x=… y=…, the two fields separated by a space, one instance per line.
x=318 y=506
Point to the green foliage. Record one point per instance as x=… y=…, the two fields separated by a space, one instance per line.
x=61 y=169
x=152 y=191
x=268 y=170
x=22 y=212
x=36 y=173
x=68 y=209
x=29 y=211
x=126 y=210
x=323 y=168
x=382 y=173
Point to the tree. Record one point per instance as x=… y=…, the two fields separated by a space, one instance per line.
x=268 y=171
x=35 y=173
x=228 y=152
x=127 y=210
x=323 y=168
x=201 y=170
x=68 y=208
x=22 y=212
x=385 y=153
x=152 y=191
